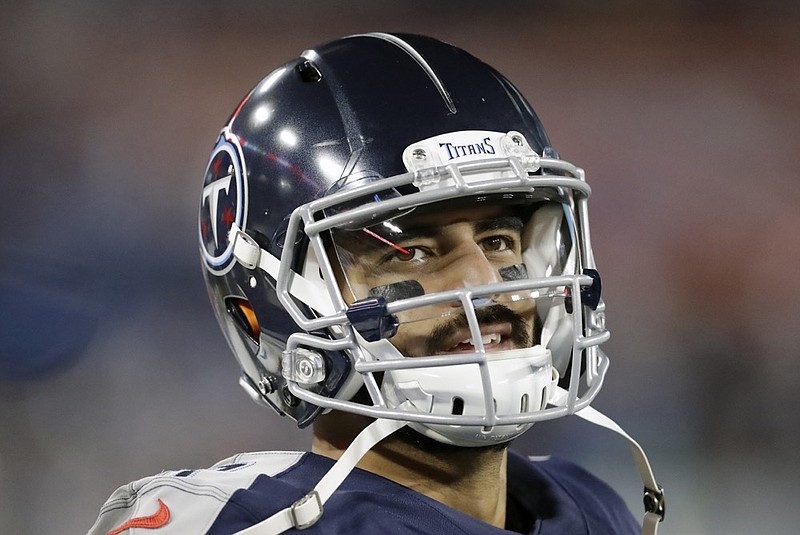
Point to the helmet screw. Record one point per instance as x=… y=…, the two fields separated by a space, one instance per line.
x=266 y=385
x=303 y=366
x=305 y=369
x=419 y=154
x=517 y=140
x=288 y=398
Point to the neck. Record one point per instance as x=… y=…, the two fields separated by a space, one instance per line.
x=471 y=480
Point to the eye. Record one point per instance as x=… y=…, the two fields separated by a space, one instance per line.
x=497 y=243
x=408 y=254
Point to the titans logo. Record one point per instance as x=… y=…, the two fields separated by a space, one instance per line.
x=224 y=203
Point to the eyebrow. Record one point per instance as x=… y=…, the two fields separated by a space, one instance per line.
x=384 y=240
x=480 y=227
x=498 y=223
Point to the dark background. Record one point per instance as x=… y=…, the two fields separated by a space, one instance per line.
x=685 y=114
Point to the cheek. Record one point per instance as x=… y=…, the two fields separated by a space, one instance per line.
x=412 y=335
x=527 y=311
x=355 y=286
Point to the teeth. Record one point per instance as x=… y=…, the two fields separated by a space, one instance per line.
x=485 y=338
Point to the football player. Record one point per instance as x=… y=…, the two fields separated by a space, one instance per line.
x=400 y=261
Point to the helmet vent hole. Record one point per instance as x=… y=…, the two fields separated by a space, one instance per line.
x=523 y=403
x=545 y=395
x=244 y=315
x=308 y=72
x=458 y=406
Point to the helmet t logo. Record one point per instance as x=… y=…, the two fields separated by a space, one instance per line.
x=211 y=192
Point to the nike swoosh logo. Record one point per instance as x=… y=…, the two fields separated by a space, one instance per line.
x=156 y=520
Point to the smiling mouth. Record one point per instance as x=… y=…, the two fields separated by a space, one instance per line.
x=494 y=338
x=488 y=340
x=500 y=329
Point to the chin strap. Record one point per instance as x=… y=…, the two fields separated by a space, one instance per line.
x=307 y=510
x=654 y=501
x=249 y=254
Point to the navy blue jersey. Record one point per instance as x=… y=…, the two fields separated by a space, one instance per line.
x=546 y=496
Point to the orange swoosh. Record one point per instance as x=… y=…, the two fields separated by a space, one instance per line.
x=156 y=520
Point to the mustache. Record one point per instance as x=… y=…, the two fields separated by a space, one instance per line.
x=521 y=335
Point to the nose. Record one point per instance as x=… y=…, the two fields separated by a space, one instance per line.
x=470 y=267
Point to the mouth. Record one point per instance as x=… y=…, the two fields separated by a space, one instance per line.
x=493 y=338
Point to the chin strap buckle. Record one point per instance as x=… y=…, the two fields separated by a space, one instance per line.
x=590 y=295
x=307 y=510
x=655 y=502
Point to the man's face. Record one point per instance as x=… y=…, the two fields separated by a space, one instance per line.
x=437 y=252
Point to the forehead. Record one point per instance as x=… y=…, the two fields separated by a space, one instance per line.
x=439 y=217
x=428 y=222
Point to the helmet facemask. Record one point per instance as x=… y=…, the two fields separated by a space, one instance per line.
x=478 y=344
x=460 y=313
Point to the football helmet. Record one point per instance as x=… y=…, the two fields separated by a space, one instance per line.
x=385 y=230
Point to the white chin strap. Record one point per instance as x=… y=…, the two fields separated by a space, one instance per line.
x=654 y=502
x=307 y=510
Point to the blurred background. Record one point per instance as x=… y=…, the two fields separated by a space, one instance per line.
x=685 y=114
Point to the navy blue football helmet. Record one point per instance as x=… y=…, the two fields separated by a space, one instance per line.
x=315 y=233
